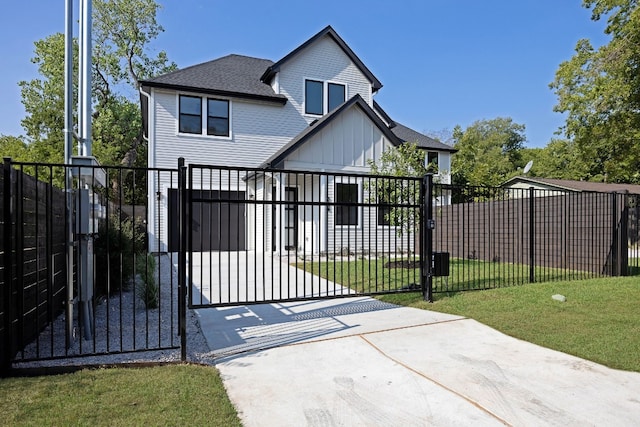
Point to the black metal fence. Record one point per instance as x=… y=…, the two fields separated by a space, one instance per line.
x=262 y=235
x=102 y=260
x=108 y=294
x=499 y=237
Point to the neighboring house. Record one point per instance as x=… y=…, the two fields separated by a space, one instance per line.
x=313 y=110
x=552 y=187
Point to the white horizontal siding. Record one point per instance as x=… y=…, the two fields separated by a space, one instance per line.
x=258 y=130
x=325 y=61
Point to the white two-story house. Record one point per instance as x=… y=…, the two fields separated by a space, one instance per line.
x=312 y=110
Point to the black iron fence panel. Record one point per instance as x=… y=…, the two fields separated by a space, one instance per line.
x=82 y=272
x=262 y=235
x=497 y=237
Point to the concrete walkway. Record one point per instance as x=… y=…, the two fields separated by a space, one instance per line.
x=361 y=362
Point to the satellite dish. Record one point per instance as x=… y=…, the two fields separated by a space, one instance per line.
x=527 y=168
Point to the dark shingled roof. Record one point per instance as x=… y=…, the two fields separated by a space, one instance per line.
x=318 y=125
x=232 y=75
x=578 y=186
x=423 y=141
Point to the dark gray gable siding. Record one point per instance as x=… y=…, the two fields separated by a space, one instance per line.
x=232 y=75
x=277 y=158
x=327 y=31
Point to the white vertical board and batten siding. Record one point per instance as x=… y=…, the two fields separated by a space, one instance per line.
x=349 y=141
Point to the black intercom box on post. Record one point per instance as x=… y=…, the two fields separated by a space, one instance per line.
x=440 y=264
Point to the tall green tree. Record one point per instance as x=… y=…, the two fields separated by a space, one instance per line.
x=559 y=160
x=599 y=90
x=489 y=152
x=122 y=33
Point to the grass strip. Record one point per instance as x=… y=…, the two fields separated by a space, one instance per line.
x=163 y=395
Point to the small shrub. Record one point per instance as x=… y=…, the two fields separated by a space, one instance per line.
x=119 y=239
x=146 y=286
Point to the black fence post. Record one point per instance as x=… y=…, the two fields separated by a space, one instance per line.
x=182 y=258
x=614 y=268
x=623 y=235
x=7 y=243
x=426 y=237
x=532 y=236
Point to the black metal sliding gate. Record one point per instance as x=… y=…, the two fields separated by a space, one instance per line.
x=269 y=235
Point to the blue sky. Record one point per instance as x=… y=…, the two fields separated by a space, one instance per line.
x=442 y=63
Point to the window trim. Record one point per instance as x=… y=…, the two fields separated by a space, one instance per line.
x=325 y=95
x=322 y=96
x=204 y=111
x=180 y=114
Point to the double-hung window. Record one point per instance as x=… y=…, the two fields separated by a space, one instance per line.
x=321 y=97
x=191 y=114
x=217 y=117
x=346 y=209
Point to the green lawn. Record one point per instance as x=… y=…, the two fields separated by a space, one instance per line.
x=600 y=320
x=164 y=395
x=373 y=276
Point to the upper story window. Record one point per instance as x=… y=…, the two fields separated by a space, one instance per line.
x=217 y=117
x=313 y=97
x=432 y=161
x=192 y=112
x=346 y=194
x=335 y=95
x=315 y=100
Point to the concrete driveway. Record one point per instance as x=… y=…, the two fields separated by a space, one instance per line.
x=361 y=362
x=246 y=276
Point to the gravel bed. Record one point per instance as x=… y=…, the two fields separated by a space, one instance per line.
x=124 y=328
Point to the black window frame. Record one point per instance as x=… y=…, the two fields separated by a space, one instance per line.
x=346 y=211
x=307 y=104
x=209 y=116
x=432 y=161
x=329 y=100
x=182 y=114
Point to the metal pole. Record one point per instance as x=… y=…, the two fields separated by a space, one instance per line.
x=7 y=353
x=68 y=150
x=86 y=78
x=182 y=257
